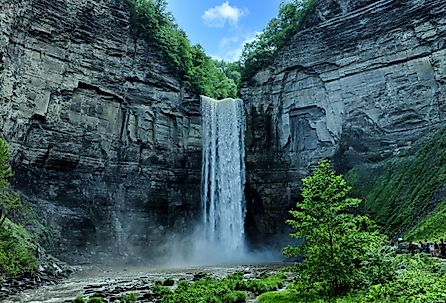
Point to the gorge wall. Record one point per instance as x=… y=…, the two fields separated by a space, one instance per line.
x=106 y=143
x=361 y=81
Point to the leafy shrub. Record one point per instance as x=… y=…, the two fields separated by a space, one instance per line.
x=129 y=298
x=230 y=289
x=79 y=299
x=260 y=286
x=235 y=297
x=278 y=297
x=160 y=290
x=419 y=280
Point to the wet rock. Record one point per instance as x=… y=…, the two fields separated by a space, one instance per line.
x=198 y=276
x=249 y=276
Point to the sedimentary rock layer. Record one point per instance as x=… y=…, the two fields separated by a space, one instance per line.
x=106 y=143
x=362 y=81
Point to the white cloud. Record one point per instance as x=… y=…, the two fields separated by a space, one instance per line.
x=219 y=15
x=227 y=41
x=231 y=47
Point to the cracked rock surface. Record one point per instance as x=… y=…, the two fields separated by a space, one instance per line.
x=363 y=80
x=106 y=143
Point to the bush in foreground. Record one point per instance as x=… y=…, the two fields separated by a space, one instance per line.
x=231 y=289
x=340 y=245
x=418 y=280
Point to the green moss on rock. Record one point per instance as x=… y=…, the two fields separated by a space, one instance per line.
x=403 y=194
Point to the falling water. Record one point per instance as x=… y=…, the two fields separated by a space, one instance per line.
x=223 y=177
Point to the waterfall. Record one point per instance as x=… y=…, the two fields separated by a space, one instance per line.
x=223 y=177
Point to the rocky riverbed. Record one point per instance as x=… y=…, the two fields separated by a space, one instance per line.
x=51 y=271
x=111 y=284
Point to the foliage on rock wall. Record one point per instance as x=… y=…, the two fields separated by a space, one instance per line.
x=9 y=201
x=432 y=227
x=193 y=67
x=408 y=194
x=17 y=249
x=260 y=53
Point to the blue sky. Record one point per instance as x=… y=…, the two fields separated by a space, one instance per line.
x=221 y=26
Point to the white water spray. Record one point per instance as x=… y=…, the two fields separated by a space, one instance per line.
x=223 y=178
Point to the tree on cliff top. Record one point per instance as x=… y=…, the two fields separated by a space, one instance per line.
x=192 y=66
x=260 y=52
x=338 y=241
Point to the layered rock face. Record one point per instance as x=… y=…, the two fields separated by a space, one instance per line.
x=363 y=80
x=107 y=144
x=105 y=141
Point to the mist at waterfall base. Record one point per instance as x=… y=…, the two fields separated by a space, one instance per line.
x=212 y=235
x=219 y=237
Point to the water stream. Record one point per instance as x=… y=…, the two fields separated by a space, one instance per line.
x=223 y=178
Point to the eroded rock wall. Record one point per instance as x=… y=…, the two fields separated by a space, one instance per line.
x=106 y=143
x=362 y=81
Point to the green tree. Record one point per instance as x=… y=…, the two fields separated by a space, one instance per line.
x=232 y=70
x=337 y=241
x=259 y=53
x=190 y=63
x=9 y=200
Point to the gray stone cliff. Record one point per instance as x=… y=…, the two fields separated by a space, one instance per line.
x=106 y=143
x=363 y=80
